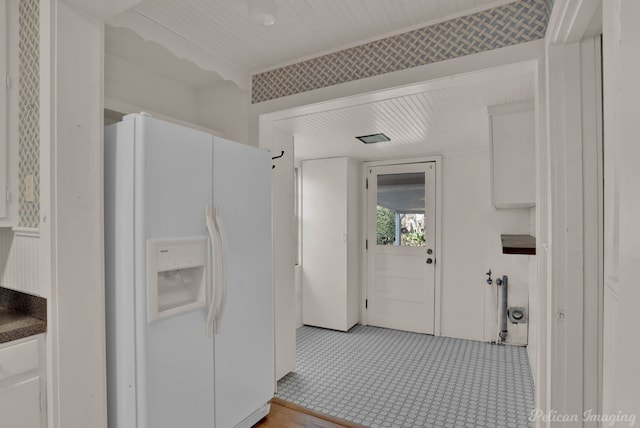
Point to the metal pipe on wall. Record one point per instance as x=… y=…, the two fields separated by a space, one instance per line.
x=504 y=315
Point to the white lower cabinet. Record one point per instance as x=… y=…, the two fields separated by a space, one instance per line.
x=22 y=384
x=20 y=404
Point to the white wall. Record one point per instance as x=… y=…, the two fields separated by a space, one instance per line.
x=226 y=108
x=284 y=251
x=538 y=307
x=534 y=307
x=222 y=109
x=471 y=229
x=354 y=240
x=621 y=371
x=131 y=84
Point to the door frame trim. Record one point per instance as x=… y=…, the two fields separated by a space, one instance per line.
x=572 y=238
x=437 y=160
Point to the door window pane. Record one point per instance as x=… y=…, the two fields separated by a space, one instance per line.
x=400 y=209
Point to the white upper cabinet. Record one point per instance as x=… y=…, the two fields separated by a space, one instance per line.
x=512 y=136
x=8 y=113
x=3 y=111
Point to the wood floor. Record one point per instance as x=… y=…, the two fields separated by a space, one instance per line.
x=284 y=414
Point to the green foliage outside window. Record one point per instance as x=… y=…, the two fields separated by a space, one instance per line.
x=385 y=226
x=413 y=239
x=412 y=228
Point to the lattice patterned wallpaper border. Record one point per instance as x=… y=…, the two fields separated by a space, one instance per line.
x=514 y=23
x=29 y=109
x=550 y=5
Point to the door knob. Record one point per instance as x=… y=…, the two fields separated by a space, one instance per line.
x=429 y=261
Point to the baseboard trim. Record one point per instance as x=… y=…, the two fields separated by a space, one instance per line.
x=301 y=409
x=255 y=417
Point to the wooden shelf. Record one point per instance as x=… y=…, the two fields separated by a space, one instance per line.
x=518 y=244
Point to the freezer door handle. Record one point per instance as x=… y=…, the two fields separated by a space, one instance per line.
x=213 y=294
x=218 y=271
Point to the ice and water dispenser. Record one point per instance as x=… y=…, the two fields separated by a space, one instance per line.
x=176 y=276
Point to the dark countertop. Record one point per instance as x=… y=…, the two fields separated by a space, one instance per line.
x=21 y=315
x=16 y=325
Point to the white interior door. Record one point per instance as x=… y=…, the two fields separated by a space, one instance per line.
x=402 y=249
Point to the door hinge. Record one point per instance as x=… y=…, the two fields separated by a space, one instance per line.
x=7 y=81
x=366 y=303
x=42 y=402
x=366 y=186
x=366 y=244
x=8 y=196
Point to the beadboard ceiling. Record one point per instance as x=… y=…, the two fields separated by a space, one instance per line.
x=449 y=119
x=304 y=28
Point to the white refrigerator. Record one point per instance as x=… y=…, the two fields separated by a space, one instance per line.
x=188 y=278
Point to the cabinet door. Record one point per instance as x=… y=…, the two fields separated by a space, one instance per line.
x=3 y=111
x=513 y=155
x=20 y=404
x=9 y=113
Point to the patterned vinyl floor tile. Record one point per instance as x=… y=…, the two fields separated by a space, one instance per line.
x=394 y=379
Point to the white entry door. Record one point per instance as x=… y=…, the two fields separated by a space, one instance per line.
x=401 y=246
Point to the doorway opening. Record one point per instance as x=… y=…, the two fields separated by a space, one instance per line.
x=431 y=184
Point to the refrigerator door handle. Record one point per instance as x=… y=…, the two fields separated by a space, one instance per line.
x=221 y=259
x=213 y=271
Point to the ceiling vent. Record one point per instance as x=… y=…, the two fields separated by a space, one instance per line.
x=373 y=138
